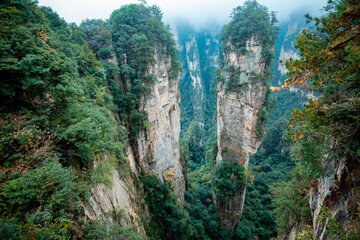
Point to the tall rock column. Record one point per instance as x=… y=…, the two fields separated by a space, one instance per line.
x=158 y=145
x=143 y=80
x=241 y=94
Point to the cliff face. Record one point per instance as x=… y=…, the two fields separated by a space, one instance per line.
x=158 y=146
x=338 y=192
x=237 y=114
x=287 y=50
x=121 y=199
x=157 y=153
x=237 y=109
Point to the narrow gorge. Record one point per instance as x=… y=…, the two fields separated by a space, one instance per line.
x=129 y=128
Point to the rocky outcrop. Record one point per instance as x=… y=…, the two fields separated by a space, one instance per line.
x=335 y=195
x=157 y=152
x=158 y=146
x=240 y=95
x=287 y=48
x=119 y=203
x=339 y=192
x=238 y=108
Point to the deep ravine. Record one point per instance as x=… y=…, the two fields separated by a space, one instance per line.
x=127 y=129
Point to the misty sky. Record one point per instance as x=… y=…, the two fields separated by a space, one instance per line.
x=197 y=12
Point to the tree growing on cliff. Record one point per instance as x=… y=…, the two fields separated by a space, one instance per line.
x=252 y=19
x=250 y=23
x=330 y=65
x=54 y=122
x=330 y=62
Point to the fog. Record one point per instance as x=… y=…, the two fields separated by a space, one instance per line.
x=196 y=12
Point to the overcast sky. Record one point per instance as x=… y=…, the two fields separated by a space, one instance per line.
x=197 y=12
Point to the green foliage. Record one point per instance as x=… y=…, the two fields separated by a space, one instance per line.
x=233 y=82
x=97 y=230
x=334 y=230
x=168 y=220
x=200 y=159
x=136 y=31
x=308 y=155
x=291 y=205
x=9 y=230
x=65 y=83
x=90 y=130
x=198 y=219
x=202 y=212
x=55 y=114
x=242 y=233
x=262 y=115
x=42 y=200
x=98 y=37
x=191 y=143
x=252 y=19
x=229 y=177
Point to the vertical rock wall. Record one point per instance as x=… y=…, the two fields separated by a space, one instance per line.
x=339 y=192
x=122 y=197
x=158 y=153
x=158 y=146
x=237 y=109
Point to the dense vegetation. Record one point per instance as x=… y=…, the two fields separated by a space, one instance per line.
x=60 y=108
x=205 y=179
x=327 y=126
x=200 y=163
x=252 y=20
x=71 y=95
x=168 y=220
x=54 y=123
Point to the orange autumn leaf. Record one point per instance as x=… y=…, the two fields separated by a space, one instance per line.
x=275 y=88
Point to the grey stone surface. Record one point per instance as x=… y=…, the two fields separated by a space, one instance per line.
x=237 y=116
